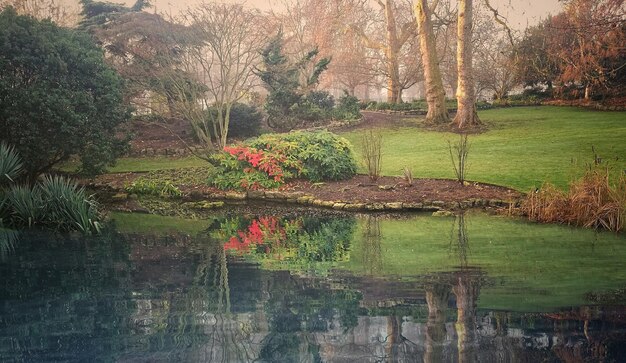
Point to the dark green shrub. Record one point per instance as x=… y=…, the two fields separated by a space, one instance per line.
x=245 y=121
x=287 y=105
x=322 y=99
x=307 y=112
x=58 y=97
x=348 y=108
x=367 y=105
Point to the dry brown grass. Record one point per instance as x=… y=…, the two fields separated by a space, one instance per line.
x=593 y=201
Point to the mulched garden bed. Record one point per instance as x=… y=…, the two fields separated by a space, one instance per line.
x=359 y=189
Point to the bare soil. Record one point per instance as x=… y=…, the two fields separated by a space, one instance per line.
x=393 y=189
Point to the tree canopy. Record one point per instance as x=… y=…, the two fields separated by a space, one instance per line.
x=57 y=96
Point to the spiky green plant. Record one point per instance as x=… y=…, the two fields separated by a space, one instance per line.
x=67 y=206
x=26 y=205
x=10 y=164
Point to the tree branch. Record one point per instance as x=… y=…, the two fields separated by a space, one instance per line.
x=500 y=20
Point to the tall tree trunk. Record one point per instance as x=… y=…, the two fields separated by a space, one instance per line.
x=466 y=291
x=391 y=51
x=466 y=115
x=437 y=301
x=435 y=93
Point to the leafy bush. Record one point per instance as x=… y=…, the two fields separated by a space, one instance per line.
x=244 y=167
x=68 y=103
x=153 y=187
x=269 y=160
x=323 y=155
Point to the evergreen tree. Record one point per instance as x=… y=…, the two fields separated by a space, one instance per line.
x=288 y=85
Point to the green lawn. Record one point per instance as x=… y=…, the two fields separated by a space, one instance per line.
x=125 y=165
x=523 y=147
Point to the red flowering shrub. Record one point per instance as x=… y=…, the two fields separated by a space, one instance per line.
x=267 y=161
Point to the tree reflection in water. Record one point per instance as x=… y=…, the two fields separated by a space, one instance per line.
x=372 y=252
x=143 y=297
x=466 y=288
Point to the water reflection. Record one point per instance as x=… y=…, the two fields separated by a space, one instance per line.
x=204 y=297
x=8 y=239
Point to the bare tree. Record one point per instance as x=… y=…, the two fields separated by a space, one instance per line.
x=493 y=72
x=394 y=41
x=466 y=115
x=435 y=93
x=220 y=64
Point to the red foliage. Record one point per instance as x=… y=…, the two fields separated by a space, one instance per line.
x=259 y=160
x=261 y=231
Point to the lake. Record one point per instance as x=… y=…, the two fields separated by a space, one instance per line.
x=298 y=285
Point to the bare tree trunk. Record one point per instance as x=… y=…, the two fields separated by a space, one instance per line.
x=466 y=115
x=466 y=291
x=435 y=93
x=391 y=51
x=437 y=300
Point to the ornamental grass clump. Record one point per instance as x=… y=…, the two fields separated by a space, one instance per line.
x=593 y=201
x=53 y=202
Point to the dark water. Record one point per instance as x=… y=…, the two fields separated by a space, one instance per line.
x=315 y=288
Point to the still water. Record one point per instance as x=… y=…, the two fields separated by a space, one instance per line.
x=272 y=286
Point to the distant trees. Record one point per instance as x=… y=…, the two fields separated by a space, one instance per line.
x=143 y=47
x=59 y=12
x=398 y=30
x=581 y=48
x=57 y=96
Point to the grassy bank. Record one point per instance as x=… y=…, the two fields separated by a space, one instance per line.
x=524 y=146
